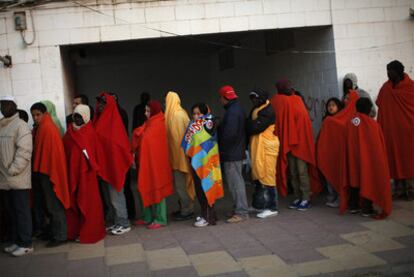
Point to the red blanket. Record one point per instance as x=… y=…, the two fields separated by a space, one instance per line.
x=331 y=145
x=367 y=163
x=49 y=158
x=294 y=129
x=113 y=148
x=155 y=179
x=396 y=118
x=85 y=216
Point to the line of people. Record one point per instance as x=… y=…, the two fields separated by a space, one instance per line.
x=69 y=186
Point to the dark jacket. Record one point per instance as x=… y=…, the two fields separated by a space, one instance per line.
x=232 y=133
x=138 y=117
x=265 y=118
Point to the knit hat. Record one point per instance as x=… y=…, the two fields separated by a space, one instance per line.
x=228 y=92
x=84 y=111
x=353 y=78
x=8 y=98
x=155 y=107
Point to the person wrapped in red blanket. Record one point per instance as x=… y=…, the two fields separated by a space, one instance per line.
x=85 y=218
x=297 y=149
x=396 y=116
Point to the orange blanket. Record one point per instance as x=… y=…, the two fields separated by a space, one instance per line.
x=49 y=158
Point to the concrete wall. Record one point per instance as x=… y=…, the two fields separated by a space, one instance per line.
x=380 y=27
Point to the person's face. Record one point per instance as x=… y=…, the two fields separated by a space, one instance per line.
x=8 y=108
x=348 y=84
x=392 y=75
x=101 y=104
x=332 y=108
x=76 y=101
x=196 y=113
x=147 y=112
x=223 y=100
x=78 y=120
x=256 y=101
x=37 y=116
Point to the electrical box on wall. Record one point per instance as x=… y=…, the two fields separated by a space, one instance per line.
x=20 y=21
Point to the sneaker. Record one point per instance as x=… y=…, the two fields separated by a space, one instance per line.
x=304 y=205
x=11 y=248
x=236 y=219
x=21 y=251
x=369 y=213
x=181 y=217
x=354 y=211
x=200 y=222
x=295 y=204
x=55 y=243
x=110 y=228
x=333 y=204
x=154 y=226
x=267 y=213
x=120 y=230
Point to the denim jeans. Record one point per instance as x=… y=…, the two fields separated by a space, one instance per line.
x=234 y=179
x=114 y=204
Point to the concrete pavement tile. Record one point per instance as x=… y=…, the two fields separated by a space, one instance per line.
x=124 y=254
x=269 y=265
x=371 y=241
x=41 y=249
x=87 y=267
x=403 y=216
x=131 y=269
x=317 y=267
x=408 y=205
x=128 y=238
x=389 y=228
x=155 y=240
x=232 y=274
x=408 y=241
x=351 y=257
x=294 y=256
x=211 y=263
x=399 y=256
x=167 y=258
x=187 y=271
x=86 y=251
x=248 y=251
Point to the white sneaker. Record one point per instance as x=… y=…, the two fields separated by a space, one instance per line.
x=110 y=228
x=11 y=248
x=21 y=251
x=267 y=213
x=333 y=204
x=120 y=230
x=200 y=222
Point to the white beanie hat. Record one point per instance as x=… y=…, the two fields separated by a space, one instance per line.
x=8 y=98
x=84 y=111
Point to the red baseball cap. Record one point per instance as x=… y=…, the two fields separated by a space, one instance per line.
x=228 y=92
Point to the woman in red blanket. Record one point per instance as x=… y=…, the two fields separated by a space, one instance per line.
x=85 y=216
x=155 y=179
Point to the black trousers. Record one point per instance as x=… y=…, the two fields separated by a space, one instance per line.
x=129 y=196
x=207 y=212
x=19 y=217
x=355 y=201
x=53 y=208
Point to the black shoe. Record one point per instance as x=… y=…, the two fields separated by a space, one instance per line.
x=180 y=217
x=176 y=213
x=369 y=213
x=55 y=243
x=354 y=211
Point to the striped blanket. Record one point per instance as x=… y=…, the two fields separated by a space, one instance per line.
x=202 y=148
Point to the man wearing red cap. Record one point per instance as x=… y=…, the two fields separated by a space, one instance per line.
x=232 y=145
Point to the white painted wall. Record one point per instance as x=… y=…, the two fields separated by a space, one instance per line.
x=380 y=27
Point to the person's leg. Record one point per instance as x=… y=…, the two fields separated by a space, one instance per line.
x=12 y=217
x=201 y=197
x=234 y=177
x=409 y=189
x=106 y=202
x=21 y=206
x=294 y=175
x=55 y=209
x=118 y=203
x=39 y=220
x=129 y=197
x=353 y=203
x=304 y=181
x=187 y=205
x=273 y=204
x=161 y=213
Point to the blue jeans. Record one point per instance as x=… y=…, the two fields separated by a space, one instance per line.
x=114 y=204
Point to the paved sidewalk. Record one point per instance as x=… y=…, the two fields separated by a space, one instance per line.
x=316 y=242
